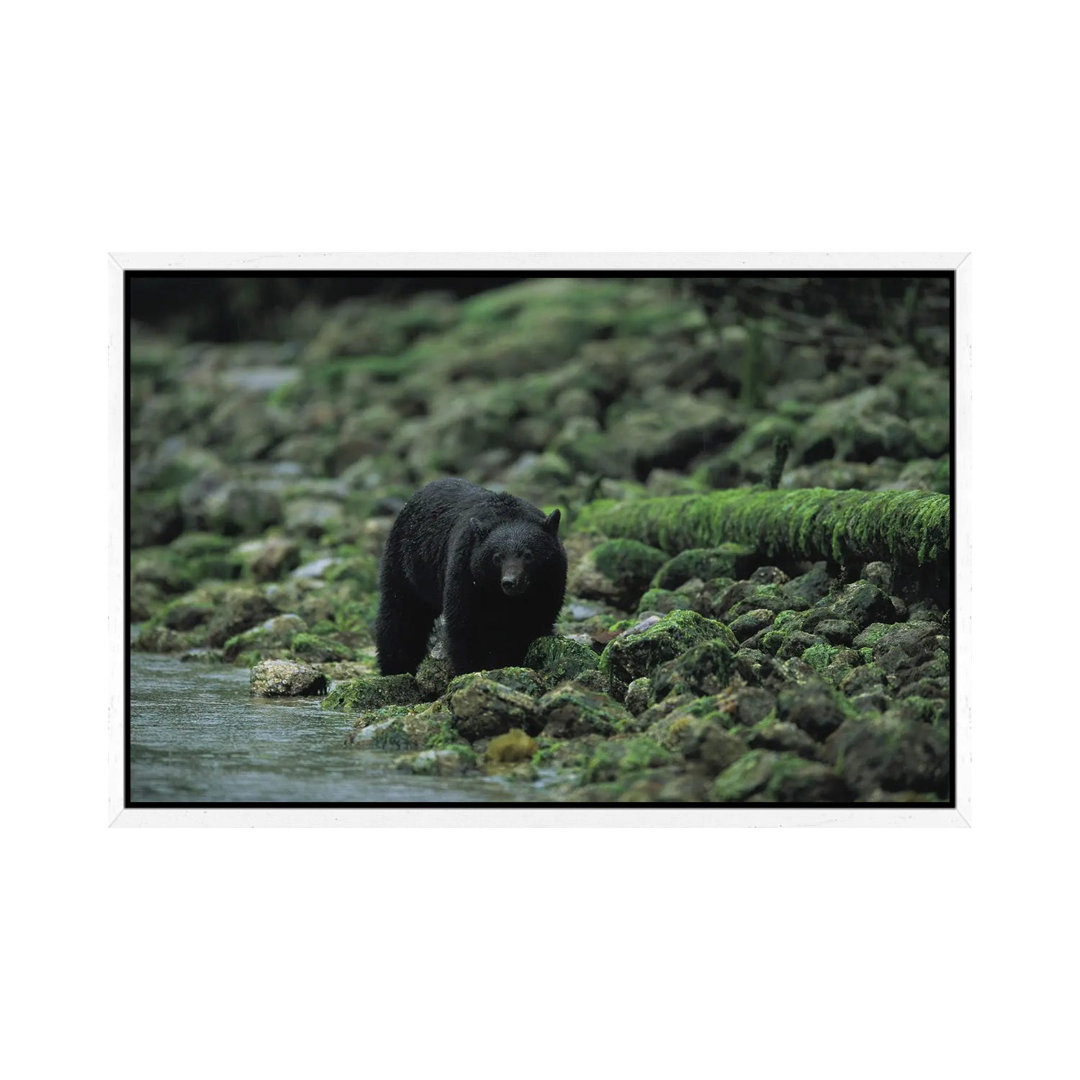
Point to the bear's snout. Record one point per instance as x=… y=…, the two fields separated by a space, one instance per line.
x=514 y=584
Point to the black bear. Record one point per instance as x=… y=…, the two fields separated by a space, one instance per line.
x=491 y=564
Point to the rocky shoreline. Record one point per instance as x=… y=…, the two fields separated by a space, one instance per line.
x=265 y=477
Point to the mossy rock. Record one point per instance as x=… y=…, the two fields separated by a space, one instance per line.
x=570 y=712
x=560 y=658
x=632 y=655
x=725 y=560
x=665 y=601
x=318 y=650
x=619 y=756
x=769 y=777
x=481 y=708
x=510 y=748
x=523 y=680
x=374 y=692
x=617 y=571
x=451 y=761
x=286 y=678
x=404 y=727
x=207 y=557
x=269 y=640
x=239 y=608
x=702 y=670
x=892 y=753
x=702 y=731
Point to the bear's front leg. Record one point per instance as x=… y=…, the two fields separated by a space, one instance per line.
x=464 y=637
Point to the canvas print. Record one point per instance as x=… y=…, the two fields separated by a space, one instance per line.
x=539 y=539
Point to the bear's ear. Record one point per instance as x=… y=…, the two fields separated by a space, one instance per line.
x=551 y=523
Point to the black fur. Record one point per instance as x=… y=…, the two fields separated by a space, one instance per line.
x=491 y=564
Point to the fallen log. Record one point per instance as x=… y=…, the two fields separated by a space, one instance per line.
x=911 y=528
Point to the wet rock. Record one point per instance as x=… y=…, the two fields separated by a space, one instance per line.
x=706 y=564
x=836 y=631
x=756 y=668
x=313 y=517
x=275 y=634
x=751 y=622
x=770 y=777
x=452 y=761
x=701 y=734
x=893 y=754
x=638 y=696
x=237 y=509
x=796 y=643
x=314 y=649
x=616 y=757
x=701 y=670
x=663 y=601
x=862 y=680
x=511 y=748
x=618 y=571
x=187 y=615
x=633 y=655
x=481 y=708
x=768 y=575
x=870 y=701
x=812 y=707
x=374 y=692
x=286 y=678
x=270 y=559
x=160 y=639
x=780 y=736
x=908 y=645
x=760 y=597
x=879 y=574
x=570 y=712
x=864 y=603
x=812 y=586
x=238 y=609
x=560 y=658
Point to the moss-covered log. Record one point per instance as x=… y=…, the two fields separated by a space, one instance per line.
x=903 y=527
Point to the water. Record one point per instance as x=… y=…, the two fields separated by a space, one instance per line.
x=198 y=737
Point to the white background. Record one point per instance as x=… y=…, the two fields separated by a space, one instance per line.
x=562 y=127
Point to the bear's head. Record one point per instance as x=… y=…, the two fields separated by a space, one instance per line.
x=516 y=555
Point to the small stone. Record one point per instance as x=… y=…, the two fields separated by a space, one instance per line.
x=285 y=678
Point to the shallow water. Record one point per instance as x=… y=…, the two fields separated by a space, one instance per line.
x=197 y=736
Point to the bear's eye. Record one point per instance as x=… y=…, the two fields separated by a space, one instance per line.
x=527 y=555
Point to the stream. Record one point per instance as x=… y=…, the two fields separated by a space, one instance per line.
x=197 y=736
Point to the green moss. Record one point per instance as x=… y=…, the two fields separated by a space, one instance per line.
x=444 y=737
x=869 y=637
x=315 y=650
x=560 y=658
x=375 y=692
x=510 y=748
x=618 y=757
x=820 y=656
x=630 y=656
x=815 y=523
x=722 y=561
x=664 y=600
x=619 y=559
